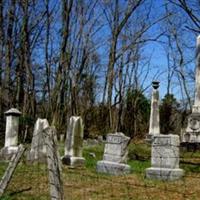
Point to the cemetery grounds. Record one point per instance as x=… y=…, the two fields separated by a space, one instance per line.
x=30 y=182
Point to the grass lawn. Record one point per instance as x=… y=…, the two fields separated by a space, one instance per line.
x=31 y=181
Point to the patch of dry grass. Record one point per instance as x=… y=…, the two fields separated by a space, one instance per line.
x=30 y=182
x=82 y=184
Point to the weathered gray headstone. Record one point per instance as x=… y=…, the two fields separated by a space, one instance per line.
x=165 y=158
x=154 y=124
x=115 y=155
x=11 y=134
x=54 y=165
x=192 y=132
x=74 y=143
x=38 y=148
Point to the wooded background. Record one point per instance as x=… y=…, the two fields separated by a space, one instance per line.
x=94 y=58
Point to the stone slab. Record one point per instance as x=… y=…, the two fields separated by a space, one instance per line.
x=38 y=150
x=164 y=174
x=116 y=147
x=73 y=161
x=113 y=168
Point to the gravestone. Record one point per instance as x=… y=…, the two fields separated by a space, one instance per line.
x=115 y=155
x=165 y=158
x=11 y=134
x=192 y=132
x=38 y=148
x=74 y=143
x=154 y=123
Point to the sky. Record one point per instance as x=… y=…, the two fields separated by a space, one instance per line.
x=155 y=50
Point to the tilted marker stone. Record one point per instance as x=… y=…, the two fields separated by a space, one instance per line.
x=38 y=148
x=115 y=155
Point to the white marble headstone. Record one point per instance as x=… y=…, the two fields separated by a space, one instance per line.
x=11 y=134
x=74 y=143
x=38 y=146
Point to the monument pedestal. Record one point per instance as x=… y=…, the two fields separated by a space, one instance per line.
x=164 y=173
x=113 y=168
x=192 y=132
x=73 y=161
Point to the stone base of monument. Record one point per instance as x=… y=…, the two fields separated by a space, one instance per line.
x=73 y=161
x=113 y=168
x=36 y=157
x=164 y=173
x=6 y=153
x=149 y=138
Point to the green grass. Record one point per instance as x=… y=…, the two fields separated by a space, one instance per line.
x=91 y=161
x=30 y=182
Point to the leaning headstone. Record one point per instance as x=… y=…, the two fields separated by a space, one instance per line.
x=192 y=132
x=11 y=134
x=38 y=148
x=11 y=169
x=74 y=143
x=115 y=155
x=165 y=158
x=54 y=165
x=154 y=124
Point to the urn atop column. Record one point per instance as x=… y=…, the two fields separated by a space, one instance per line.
x=155 y=84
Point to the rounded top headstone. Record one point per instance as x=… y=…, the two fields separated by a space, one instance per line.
x=13 y=112
x=155 y=84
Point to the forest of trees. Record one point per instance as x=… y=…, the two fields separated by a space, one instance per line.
x=94 y=58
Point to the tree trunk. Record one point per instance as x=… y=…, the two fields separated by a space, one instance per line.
x=9 y=51
x=63 y=67
x=1 y=57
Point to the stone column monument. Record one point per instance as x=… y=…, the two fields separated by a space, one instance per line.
x=115 y=155
x=11 y=134
x=192 y=132
x=154 y=124
x=165 y=158
x=74 y=143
